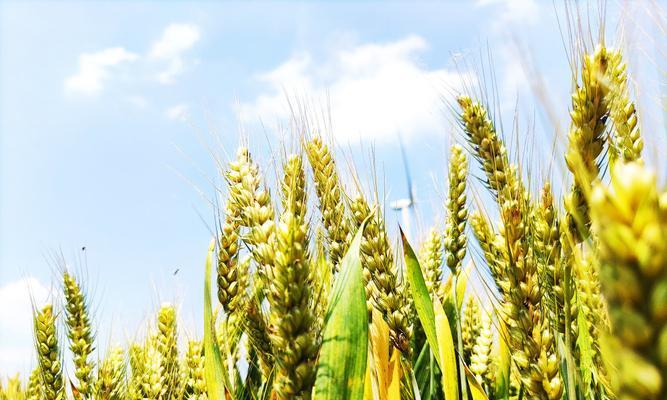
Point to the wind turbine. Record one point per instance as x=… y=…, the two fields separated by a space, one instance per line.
x=405 y=206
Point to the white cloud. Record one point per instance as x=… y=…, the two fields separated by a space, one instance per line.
x=376 y=91
x=520 y=11
x=138 y=101
x=175 y=40
x=178 y=112
x=16 y=339
x=94 y=70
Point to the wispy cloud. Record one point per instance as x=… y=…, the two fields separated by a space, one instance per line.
x=376 y=90
x=518 y=11
x=178 y=112
x=94 y=70
x=165 y=58
x=138 y=101
x=16 y=342
x=176 y=39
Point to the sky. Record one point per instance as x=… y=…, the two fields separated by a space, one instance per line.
x=113 y=114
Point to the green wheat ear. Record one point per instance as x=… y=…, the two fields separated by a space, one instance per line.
x=457 y=211
x=430 y=258
x=79 y=332
x=471 y=326
x=48 y=354
x=294 y=340
x=34 y=389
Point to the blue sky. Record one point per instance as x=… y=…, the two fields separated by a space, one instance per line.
x=110 y=113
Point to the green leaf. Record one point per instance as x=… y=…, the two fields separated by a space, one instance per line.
x=434 y=321
x=420 y=296
x=213 y=366
x=341 y=371
x=427 y=374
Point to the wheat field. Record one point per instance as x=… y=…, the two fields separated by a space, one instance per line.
x=313 y=298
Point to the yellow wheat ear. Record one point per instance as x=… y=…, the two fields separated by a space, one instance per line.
x=330 y=194
x=630 y=219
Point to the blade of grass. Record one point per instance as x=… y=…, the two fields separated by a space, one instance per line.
x=342 y=366
x=434 y=321
x=420 y=296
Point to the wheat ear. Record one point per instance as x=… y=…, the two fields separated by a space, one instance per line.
x=294 y=341
x=627 y=142
x=630 y=220
x=431 y=257
x=168 y=350
x=195 y=385
x=48 y=354
x=383 y=288
x=330 y=194
x=79 y=332
x=111 y=380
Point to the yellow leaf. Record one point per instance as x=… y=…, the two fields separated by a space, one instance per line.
x=502 y=381
x=368 y=387
x=394 y=389
x=447 y=355
x=475 y=388
x=379 y=334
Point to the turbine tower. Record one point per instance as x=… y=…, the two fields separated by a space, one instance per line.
x=406 y=205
